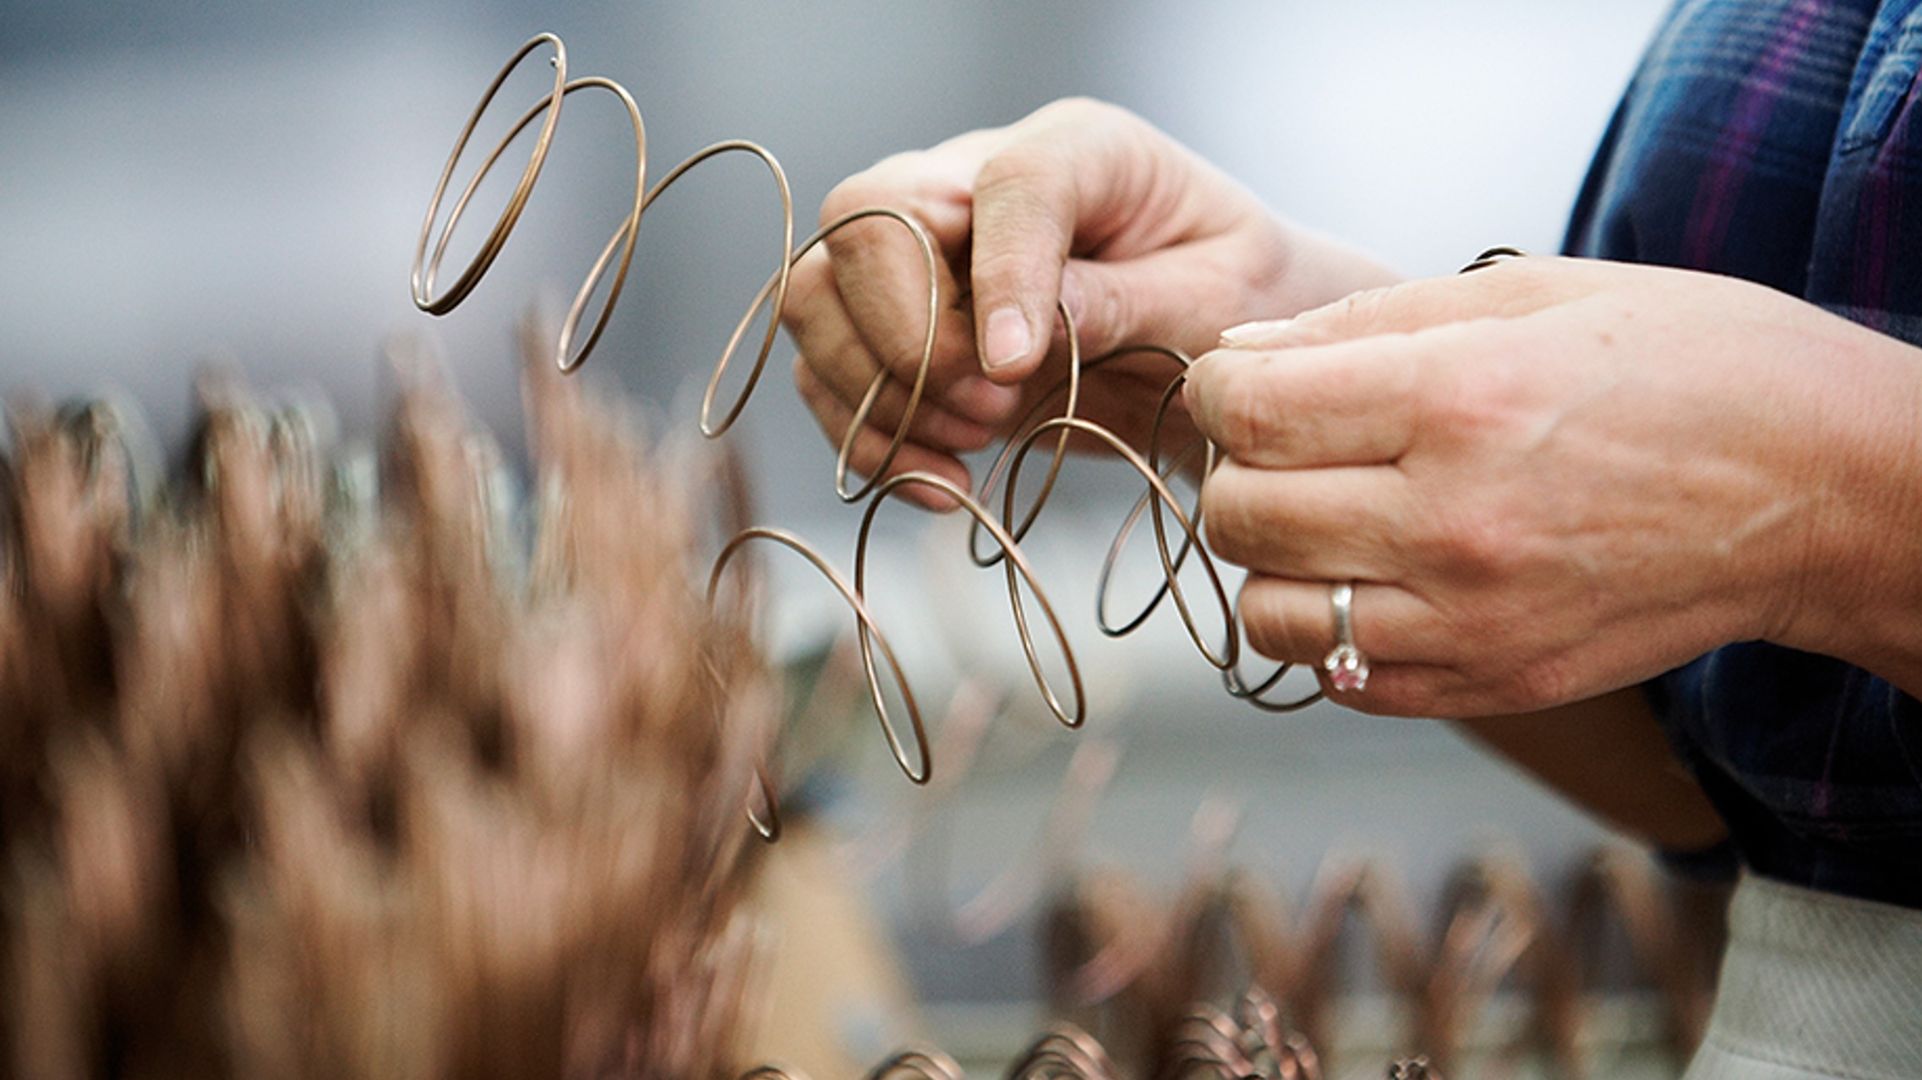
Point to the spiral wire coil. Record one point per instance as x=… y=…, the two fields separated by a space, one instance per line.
x=1158 y=501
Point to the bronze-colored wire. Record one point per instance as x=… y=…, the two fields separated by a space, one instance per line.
x=843 y=455
x=1231 y=678
x=1095 y=950
x=1064 y=1052
x=1493 y=927
x=1219 y=660
x=1233 y=681
x=1208 y=1038
x=769 y=828
x=1620 y=882
x=1019 y=570
x=917 y=1064
x=616 y=258
x=1368 y=890
x=1491 y=256
x=496 y=238
x=773 y=294
x=1105 y=581
x=775 y=288
x=1071 y=384
x=625 y=234
x=1148 y=501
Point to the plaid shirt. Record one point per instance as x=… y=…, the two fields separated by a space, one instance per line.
x=1781 y=141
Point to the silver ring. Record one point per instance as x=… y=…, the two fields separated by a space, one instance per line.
x=1345 y=664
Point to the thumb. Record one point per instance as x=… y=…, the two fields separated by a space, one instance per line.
x=1510 y=289
x=1025 y=210
x=1161 y=298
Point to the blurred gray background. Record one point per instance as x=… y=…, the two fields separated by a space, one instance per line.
x=242 y=184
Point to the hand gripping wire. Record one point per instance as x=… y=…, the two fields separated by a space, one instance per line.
x=719 y=412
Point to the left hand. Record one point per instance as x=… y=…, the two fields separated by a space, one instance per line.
x=1555 y=477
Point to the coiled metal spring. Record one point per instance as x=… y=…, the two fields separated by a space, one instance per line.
x=1158 y=501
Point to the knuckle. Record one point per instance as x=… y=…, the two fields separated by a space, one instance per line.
x=813 y=392
x=1476 y=542
x=1246 y=421
x=863 y=189
x=1268 y=627
x=1268 y=636
x=1338 y=319
x=1079 y=109
x=1475 y=630
x=1015 y=177
x=1104 y=316
x=807 y=295
x=1395 y=694
x=1539 y=684
x=1227 y=518
x=1364 y=306
x=1473 y=401
x=1003 y=268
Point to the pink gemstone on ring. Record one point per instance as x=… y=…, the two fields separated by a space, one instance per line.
x=1347 y=668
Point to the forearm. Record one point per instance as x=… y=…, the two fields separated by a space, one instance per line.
x=1608 y=756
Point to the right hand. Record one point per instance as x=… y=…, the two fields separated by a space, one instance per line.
x=1080 y=201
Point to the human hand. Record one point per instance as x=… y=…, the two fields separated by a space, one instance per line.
x=1082 y=202
x=1555 y=477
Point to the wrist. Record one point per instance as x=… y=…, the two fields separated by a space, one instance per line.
x=1860 y=598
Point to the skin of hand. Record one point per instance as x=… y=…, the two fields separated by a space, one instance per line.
x=1145 y=243
x=1082 y=201
x=1555 y=477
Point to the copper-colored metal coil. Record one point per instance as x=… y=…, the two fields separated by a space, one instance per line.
x=1493 y=927
x=1621 y=885
x=571 y=350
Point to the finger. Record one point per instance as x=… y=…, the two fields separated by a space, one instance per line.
x=932 y=426
x=1353 y=403
x=1504 y=290
x=1312 y=524
x=1293 y=620
x=839 y=356
x=871 y=445
x=880 y=270
x=1160 y=298
x=818 y=322
x=1070 y=168
x=1429 y=691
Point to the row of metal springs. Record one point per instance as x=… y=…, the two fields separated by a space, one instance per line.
x=1121 y=965
x=1138 y=987
x=1245 y=1044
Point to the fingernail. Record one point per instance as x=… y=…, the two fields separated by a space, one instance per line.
x=1260 y=332
x=1006 y=339
x=974 y=397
